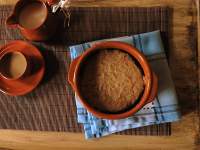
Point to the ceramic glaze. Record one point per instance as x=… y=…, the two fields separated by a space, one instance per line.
x=33 y=75
x=34 y=19
x=32 y=15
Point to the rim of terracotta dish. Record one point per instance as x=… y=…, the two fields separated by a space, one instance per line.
x=10 y=46
x=14 y=52
x=141 y=60
x=32 y=1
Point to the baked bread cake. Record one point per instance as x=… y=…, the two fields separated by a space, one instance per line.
x=110 y=80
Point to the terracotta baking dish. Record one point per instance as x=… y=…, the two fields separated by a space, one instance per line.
x=150 y=79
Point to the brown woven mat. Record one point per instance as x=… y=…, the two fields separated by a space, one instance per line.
x=51 y=106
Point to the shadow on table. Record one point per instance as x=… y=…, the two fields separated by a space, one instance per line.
x=51 y=64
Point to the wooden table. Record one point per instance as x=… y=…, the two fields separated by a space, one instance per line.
x=185 y=133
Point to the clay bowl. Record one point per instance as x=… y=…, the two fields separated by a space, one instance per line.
x=150 y=79
x=28 y=80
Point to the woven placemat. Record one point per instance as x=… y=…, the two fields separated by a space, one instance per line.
x=51 y=106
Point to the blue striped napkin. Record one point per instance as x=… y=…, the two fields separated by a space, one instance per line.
x=163 y=109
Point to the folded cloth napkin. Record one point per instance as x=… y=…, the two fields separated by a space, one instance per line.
x=163 y=109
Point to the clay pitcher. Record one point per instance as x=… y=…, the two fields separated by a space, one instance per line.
x=34 y=19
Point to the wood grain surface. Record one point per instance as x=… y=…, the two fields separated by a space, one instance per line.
x=184 y=51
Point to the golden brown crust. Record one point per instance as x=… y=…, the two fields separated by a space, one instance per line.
x=110 y=81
